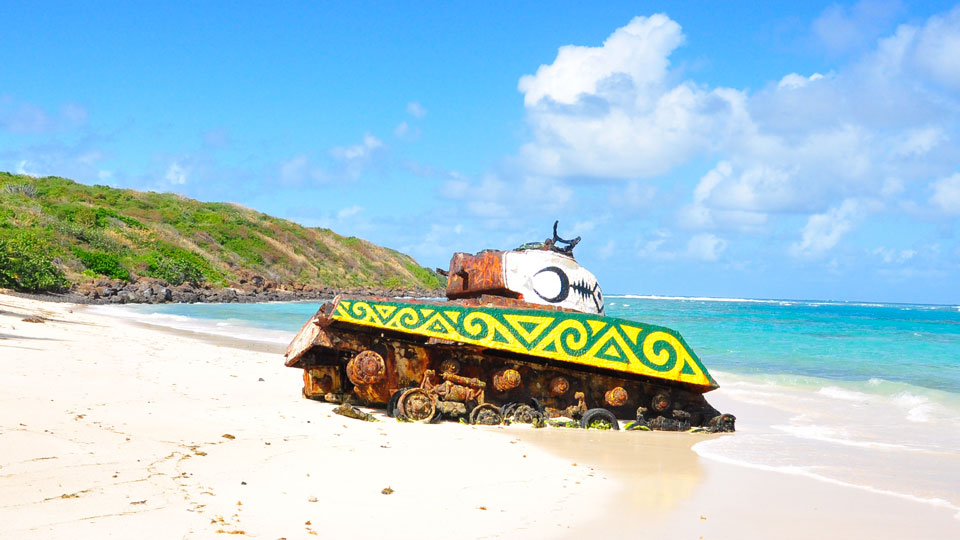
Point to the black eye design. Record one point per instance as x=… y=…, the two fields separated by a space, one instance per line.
x=564 y=285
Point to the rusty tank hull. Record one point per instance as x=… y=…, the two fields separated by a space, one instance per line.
x=521 y=336
x=452 y=357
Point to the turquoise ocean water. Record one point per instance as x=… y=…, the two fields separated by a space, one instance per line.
x=859 y=394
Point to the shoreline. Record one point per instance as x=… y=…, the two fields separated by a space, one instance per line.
x=154 y=291
x=174 y=394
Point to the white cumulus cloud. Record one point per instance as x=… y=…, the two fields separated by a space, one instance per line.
x=706 y=247
x=880 y=127
x=300 y=169
x=416 y=110
x=823 y=231
x=176 y=174
x=946 y=194
x=613 y=110
x=358 y=151
x=936 y=49
x=889 y=255
x=353 y=160
x=843 y=29
x=349 y=212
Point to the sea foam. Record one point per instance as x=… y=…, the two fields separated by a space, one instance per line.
x=231 y=328
x=713 y=450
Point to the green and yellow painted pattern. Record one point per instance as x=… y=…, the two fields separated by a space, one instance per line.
x=606 y=342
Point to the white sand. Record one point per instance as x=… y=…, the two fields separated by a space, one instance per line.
x=110 y=429
x=107 y=428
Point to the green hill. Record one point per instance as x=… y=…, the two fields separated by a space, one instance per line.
x=56 y=233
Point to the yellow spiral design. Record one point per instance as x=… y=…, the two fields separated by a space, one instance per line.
x=664 y=359
x=570 y=335
x=479 y=326
x=408 y=317
x=362 y=311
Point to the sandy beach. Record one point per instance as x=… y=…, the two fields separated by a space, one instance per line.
x=109 y=428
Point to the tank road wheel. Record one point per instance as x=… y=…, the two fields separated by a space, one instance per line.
x=598 y=418
x=526 y=414
x=392 y=404
x=486 y=414
x=416 y=406
x=506 y=411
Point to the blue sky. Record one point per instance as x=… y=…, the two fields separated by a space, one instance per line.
x=731 y=149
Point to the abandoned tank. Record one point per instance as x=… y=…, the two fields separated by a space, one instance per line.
x=522 y=336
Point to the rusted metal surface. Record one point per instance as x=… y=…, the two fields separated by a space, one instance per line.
x=310 y=335
x=616 y=396
x=417 y=406
x=454 y=387
x=660 y=402
x=558 y=386
x=474 y=275
x=489 y=300
x=450 y=366
x=302 y=342
x=352 y=412
x=320 y=380
x=366 y=368
x=507 y=379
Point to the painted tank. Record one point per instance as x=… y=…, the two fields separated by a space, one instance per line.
x=522 y=336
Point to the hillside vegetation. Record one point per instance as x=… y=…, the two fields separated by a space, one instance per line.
x=55 y=233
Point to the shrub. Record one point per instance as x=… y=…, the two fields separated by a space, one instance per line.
x=393 y=282
x=430 y=280
x=102 y=218
x=25 y=265
x=351 y=242
x=105 y=264
x=176 y=266
x=247 y=247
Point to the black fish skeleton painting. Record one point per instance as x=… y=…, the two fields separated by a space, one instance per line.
x=545 y=277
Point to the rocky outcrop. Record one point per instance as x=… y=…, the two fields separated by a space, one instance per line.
x=247 y=289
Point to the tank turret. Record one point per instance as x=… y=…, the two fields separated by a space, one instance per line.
x=541 y=273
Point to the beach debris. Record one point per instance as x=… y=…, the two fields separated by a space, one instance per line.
x=139 y=502
x=522 y=338
x=725 y=423
x=352 y=412
x=228 y=436
x=387 y=490
x=523 y=413
x=599 y=418
x=35 y=320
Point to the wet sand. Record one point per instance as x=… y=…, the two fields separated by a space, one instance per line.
x=108 y=427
